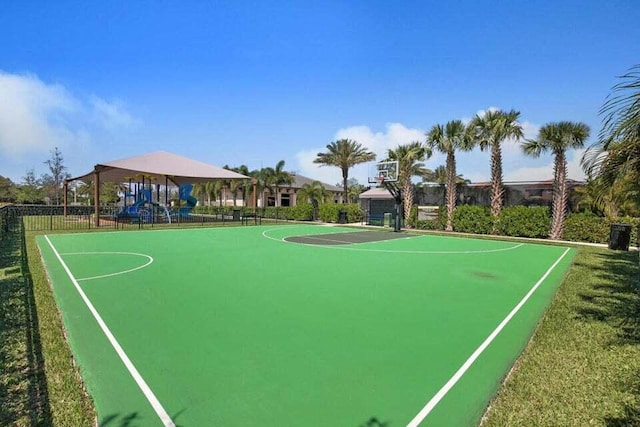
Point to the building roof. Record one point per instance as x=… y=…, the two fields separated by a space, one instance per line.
x=548 y=182
x=299 y=181
x=159 y=166
x=378 y=193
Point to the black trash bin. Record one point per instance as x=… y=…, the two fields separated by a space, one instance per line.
x=620 y=236
x=236 y=215
x=342 y=217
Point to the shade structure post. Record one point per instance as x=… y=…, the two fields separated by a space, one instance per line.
x=65 y=199
x=96 y=197
x=253 y=195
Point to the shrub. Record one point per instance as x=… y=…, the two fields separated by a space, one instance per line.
x=586 y=227
x=301 y=212
x=472 y=219
x=330 y=212
x=523 y=221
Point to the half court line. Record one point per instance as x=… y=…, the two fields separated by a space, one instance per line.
x=415 y=422
x=142 y=384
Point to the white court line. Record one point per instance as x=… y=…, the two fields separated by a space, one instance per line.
x=349 y=247
x=111 y=253
x=460 y=372
x=146 y=390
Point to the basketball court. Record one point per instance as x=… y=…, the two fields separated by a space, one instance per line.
x=296 y=325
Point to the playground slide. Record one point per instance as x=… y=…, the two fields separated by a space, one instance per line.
x=185 y=194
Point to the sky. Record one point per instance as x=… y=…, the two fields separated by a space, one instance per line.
x=248 y=82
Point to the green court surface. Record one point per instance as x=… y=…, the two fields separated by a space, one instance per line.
x=296 y=325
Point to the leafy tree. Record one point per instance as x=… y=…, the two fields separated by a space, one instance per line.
x=344 y=154
x=489 y=131
x=615 y=158
x=409 y=157
x=447 y=139
x=558 y=138
x=30 y=190
x=8 y=192
x=109 y=193
x=54 y=181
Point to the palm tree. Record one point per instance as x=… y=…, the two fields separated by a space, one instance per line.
x=558 y=138
x=344 y=154
x=244 y=185
x=488 y=131
x=264 y=181
x=409 y=157
x=280 y=177
x=313 y=193
x=616 y=155
x=447 y=139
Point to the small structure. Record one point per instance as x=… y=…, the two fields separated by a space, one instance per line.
x=377 y=202
x=160 y=167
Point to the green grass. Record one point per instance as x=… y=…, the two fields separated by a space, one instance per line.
x=39 y=383
x=582 y=366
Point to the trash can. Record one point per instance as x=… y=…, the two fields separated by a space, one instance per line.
x=387 y=219
x=236 y=215
x=620 y=236
x=342 y=217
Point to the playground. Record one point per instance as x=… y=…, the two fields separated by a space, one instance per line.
x=141 y=206
x=266 y=325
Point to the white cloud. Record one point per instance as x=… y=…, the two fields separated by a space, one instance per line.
x=111 y=115
x=544 y=172
x=36 y=116
x=33 y=115
x=378 y=142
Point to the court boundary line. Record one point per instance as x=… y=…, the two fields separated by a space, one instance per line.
x=149 y=257
x=431 y=404
x=142 y=384
x=348 y=247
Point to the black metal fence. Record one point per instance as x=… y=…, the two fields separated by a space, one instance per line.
x=52 y=217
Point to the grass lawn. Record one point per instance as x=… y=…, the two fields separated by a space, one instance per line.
x=582 y=366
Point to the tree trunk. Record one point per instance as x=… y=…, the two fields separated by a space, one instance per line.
x=407 y=195
x=559 y=207
x=496 y=182
x=345 y=184
x=451 y=189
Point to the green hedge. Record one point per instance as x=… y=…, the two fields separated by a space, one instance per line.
x=523 y=221
x=586 y=227
x=330 y=212
x=472 y=219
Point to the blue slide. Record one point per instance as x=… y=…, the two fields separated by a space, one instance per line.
x=185 y=194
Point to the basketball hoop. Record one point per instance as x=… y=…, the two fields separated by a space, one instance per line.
x=380 y=179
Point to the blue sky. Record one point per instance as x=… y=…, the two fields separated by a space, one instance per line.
x=257 y=82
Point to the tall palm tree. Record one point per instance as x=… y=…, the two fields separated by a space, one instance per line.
x=345 y=154
x=615 y=157
x=447 y=139
x=280 y=177
x=558 y=138
x=489 y=131
x=409 y=157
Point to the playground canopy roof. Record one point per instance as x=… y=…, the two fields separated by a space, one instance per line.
x=159 y=166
